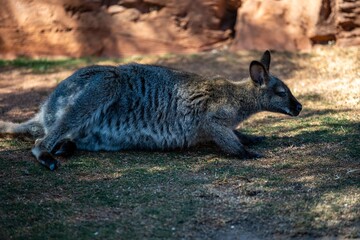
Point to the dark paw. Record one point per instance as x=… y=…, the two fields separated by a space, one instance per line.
x=256 y=140
x=47 y=160
x=247 y=139
x=65 y=148
x=251 y=155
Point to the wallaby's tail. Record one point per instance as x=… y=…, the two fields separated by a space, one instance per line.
x=32 y=127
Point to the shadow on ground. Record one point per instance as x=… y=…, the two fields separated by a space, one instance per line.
x=195 y=193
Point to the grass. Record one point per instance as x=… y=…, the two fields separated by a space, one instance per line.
x=44 y=65
x=307 y=186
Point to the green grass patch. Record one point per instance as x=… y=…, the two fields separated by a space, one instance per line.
x=45 y=65
x=42 y=66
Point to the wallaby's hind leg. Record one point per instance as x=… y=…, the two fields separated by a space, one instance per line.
x=247 y=139
x=53 y=142
x=82 y=111
x=44 y=157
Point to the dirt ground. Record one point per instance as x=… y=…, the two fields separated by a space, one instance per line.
x=307 y=186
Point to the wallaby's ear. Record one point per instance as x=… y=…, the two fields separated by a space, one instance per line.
x=265 y=59
x=258 y=73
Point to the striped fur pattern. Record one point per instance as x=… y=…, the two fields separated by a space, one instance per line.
x=127 y=107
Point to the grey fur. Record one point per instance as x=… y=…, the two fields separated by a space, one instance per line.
x=152 y=107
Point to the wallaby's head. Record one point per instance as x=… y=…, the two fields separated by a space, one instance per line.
x=273 y=94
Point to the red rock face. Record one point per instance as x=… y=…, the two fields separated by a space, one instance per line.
x=297 y=25
x=109 y=27
x=348 y=23
x=280 y=25
x=125 y=27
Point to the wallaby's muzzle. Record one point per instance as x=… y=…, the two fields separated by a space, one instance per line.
x=296 y=107
x=297 y=110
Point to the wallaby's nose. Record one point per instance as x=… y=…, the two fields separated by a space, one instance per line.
x=299 y=107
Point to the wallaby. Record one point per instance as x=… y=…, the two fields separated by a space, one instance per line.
x=150 y=107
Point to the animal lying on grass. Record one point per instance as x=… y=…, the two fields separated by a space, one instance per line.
x=149 y=107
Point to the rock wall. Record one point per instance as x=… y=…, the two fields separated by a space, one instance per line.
x=111 y=28
x=297 y=25
x=125 y=27
x=348 y=22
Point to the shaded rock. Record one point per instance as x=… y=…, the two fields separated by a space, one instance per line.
x=109 y=28
x=348 y=22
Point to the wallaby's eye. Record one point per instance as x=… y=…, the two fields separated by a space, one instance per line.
x=281 y=93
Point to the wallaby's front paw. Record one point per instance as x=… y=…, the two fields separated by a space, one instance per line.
x=256 y=139
x=248 y=139
x=251 y=155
